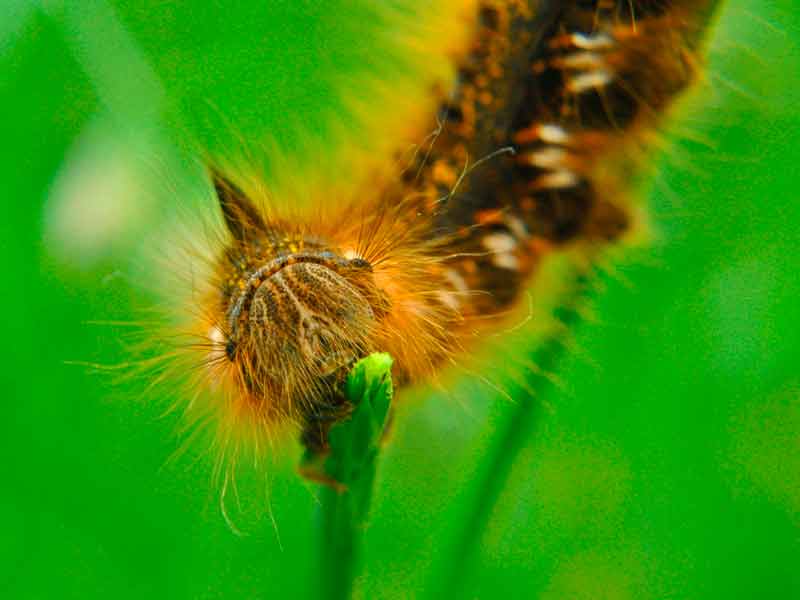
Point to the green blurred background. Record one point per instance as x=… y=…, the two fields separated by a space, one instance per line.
x=666 y=463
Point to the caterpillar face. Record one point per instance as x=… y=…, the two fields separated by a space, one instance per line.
x=297 y=314
x=299 y=308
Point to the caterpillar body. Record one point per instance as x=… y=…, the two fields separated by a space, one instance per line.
x=531 y=156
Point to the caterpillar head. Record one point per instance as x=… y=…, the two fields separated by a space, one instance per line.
x=293 y=313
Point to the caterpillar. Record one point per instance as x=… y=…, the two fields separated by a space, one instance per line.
x=532 y=156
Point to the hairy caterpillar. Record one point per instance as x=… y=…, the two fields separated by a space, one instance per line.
x=532 y=155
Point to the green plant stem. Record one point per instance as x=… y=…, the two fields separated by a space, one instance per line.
x=344 y=515
x=347 y=470
x=514 y=434
x=339 y=544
